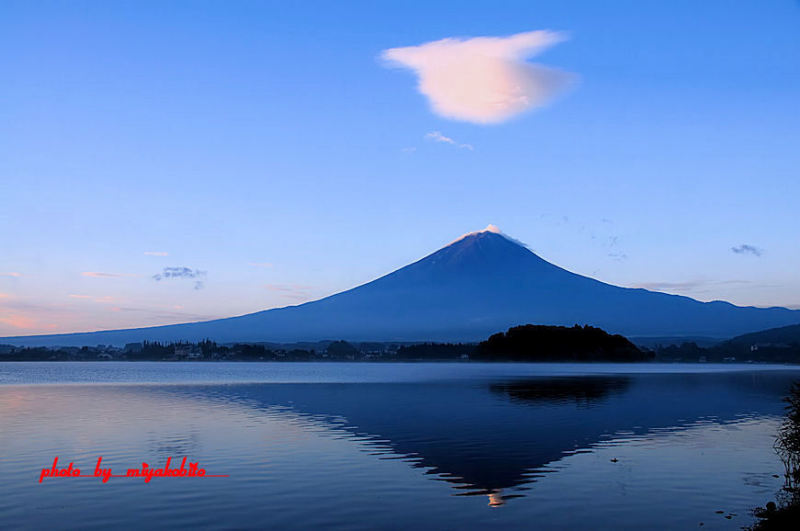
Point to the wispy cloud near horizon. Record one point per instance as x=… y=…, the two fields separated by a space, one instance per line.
x=106 y=299
x=696 y=285
x=156 y=253
x=17 y=321
x=747 y=249
x=291 y=291
x=20 y=316
x=181 y=272
x=99 y=274
x=483 y=80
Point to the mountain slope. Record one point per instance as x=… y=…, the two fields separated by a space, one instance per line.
x=476 y=286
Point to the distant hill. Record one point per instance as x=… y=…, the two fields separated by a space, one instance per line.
x=558 y=343
x=464 y=292
x=776 y=345
x=787 y=335
x=773 y=345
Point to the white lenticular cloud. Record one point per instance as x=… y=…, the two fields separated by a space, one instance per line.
x=484 y=79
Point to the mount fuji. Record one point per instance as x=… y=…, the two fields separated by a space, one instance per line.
x=480 y=284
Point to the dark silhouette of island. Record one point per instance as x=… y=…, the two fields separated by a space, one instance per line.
x=481 y=283
x=558 y=343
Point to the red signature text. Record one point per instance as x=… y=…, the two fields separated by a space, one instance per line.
x=192 y=470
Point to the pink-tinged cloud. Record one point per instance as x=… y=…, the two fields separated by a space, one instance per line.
x=19 y=316
x=11 y=274
x=15 y=320
x=97 y=274
x=106 y=299
x=483 y=80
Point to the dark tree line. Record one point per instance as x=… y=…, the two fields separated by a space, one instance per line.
x=436 y=351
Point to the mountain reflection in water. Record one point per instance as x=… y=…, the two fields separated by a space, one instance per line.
x=428 y=445
x=487 y=438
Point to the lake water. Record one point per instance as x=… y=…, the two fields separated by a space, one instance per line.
x=392 y=446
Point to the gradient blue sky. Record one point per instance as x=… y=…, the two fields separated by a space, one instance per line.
x=266 y=144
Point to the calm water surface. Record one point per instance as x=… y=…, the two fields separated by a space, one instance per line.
x=390 y=446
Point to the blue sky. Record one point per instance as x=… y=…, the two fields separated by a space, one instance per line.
x=270 y=149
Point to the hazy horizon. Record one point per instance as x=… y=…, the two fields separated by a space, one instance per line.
x=482 y=283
